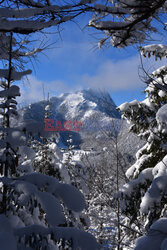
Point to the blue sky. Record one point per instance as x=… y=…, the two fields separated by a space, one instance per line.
x=74 y=63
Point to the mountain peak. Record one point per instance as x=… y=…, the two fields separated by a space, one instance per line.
x=84 y=106
x=79 y=105
x=85 y=103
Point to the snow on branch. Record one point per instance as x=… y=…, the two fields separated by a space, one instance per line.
x=29 y=187
x=81 y=240
x=33 y=16
x=30 y=12
x=9 y=234
x=161 y=118
x=14 y=74
x=11 y=92
x=7 y=239
x=126 y=22
x=108 y=25
x=157 y=50
x=71 y=197
x=156 y=237
x=26 y=26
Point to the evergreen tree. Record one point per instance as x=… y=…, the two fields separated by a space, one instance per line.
x=144 y=197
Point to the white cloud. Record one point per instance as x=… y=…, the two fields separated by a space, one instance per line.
x=33 y=90
x=120 y=75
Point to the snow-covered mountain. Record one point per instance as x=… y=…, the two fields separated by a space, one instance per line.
x=79 y=105
x=86 y=106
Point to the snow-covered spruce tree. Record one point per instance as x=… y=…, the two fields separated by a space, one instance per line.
x=144 y=197
x=155 y=197
x=76 y=171
x=48 y=157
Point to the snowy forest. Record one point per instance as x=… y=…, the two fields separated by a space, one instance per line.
x=110 y=192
